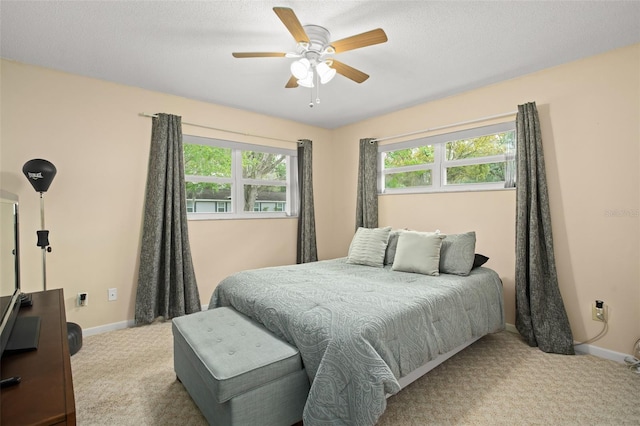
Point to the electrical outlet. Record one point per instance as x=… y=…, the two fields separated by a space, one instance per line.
x=599 y=311
x=83 y=299
x=113 y=294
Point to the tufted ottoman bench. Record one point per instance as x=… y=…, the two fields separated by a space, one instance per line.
x=236 y=371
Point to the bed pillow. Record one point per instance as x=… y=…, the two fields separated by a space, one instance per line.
x=479 y=260
x=457 y=253
x=392 y=246
x=418 y=252
x=368 y=246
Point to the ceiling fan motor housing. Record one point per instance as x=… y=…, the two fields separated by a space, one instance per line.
x=318 y=43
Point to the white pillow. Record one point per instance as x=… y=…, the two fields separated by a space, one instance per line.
x=368 y=246
x=418 y=252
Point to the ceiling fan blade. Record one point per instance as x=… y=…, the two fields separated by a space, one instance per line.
x=369 y=38
x=293 y=82
x=258 y=54
x=349 y=72
x=290 y=20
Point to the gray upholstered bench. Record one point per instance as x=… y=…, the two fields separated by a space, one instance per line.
x=236 y=371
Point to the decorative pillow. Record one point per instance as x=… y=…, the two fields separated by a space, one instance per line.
x=392 y=246
x=368 y=246
x=458 y=253
x=479 y=260
x=418 y=252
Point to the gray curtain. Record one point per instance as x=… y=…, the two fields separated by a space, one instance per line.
x=166 y=280
x=307 y=249
x=540 y=314
x=367 y=200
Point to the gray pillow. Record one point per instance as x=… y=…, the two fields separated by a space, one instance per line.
x=390 y=254
x=368 y=246
x=458 y=253
x=418 y=252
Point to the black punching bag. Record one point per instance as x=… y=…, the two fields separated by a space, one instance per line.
x=40 y=173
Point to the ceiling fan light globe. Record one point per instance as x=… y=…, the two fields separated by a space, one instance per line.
x=325 y=72
x=307 y=81
x=300 y=69
x=324 y=79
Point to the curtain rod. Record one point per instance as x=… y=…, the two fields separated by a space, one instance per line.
x=460 y=123
x=145 y=114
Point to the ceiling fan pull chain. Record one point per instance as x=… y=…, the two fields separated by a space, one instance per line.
x=311 y=97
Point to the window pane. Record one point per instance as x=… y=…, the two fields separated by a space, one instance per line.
x=208 y=197
x=263 y=165
x=205 y=160
x=482 y=146
x=261 y=198
x=476 y=173
x=408 y=179
x=409 y=157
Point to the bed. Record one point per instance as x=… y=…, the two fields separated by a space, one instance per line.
x=364 y=332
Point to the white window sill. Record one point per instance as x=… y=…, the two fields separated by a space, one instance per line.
x=442 y=190
x=234 y=216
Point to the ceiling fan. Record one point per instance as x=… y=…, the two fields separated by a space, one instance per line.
x=314 y=48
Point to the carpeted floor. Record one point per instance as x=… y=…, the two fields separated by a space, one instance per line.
x=126 y=377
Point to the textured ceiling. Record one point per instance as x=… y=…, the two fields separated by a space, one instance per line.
x=435 y=49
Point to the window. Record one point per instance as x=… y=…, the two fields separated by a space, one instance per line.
x=235 y=180
x=468 y=160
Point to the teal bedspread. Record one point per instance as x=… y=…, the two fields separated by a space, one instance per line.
x=359 y=328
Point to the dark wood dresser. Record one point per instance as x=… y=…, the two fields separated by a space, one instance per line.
x=45 y=394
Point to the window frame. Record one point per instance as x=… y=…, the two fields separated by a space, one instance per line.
x=237 y=181
x=439 y=166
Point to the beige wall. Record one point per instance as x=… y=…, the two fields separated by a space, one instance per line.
x=92 y=132
x=589 y=112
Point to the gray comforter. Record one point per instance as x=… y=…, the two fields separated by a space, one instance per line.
x=360 y=328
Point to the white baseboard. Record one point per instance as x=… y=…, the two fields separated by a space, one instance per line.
x=601 y=353
x=108 y=327
x=116 y=326
x=581 y=349
x=511 y=328
x=586 y=349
